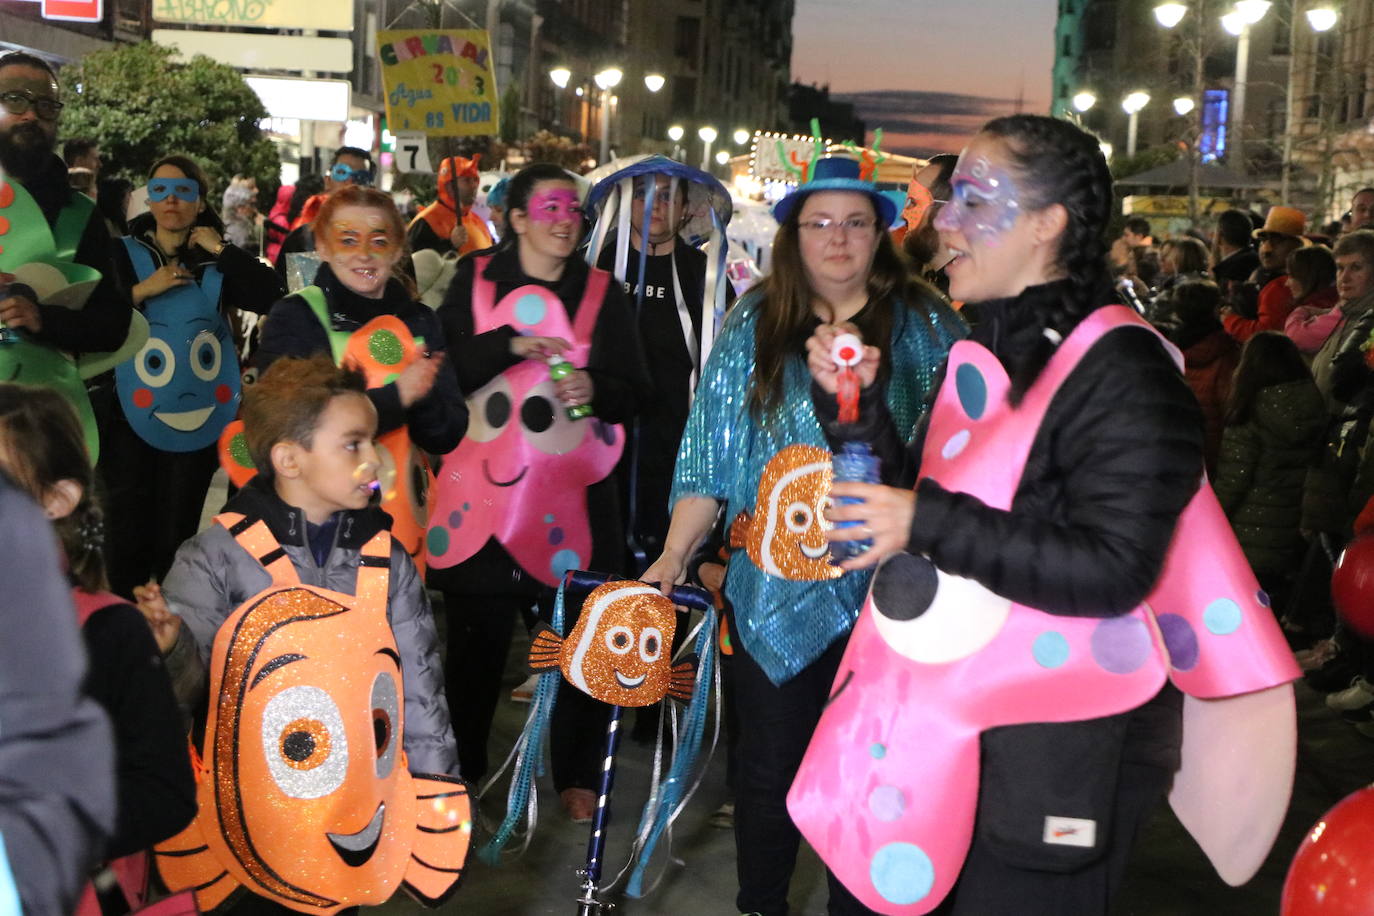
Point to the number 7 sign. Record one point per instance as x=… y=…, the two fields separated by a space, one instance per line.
x=412 y=152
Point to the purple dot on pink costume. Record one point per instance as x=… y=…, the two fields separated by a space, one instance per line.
x=1262 y=597
x=956 y=444
x=455 y=519
x=1181 y=641
x=887 y=803
x=1121 y=644
x=555 y=536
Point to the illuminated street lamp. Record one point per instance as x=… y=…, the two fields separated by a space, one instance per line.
x=1321 y=18
x=654 y=81
x=607 y=80
x=722 y=157
x=1170 y=14
x=1238 y=23
x=1183 y=105
x=708 y=136
x=1132 y=104
x=560 y=76
x=1083 y=101
x=676 y=133
x=742 y=136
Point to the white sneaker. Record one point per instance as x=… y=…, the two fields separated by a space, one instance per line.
x=525 y=692
x=1357 y=695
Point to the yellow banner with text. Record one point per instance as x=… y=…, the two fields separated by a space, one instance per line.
x=439 y=81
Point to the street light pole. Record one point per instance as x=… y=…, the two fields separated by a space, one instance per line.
x=708 y=136
x=1238 y=110
x=1132 y=105
x=607 y=80
x=1321 y=18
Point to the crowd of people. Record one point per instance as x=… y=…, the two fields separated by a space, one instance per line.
x=405 y=443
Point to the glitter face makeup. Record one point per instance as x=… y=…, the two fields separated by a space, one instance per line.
x=360 y=249
x=554 y=205
x=984 y=202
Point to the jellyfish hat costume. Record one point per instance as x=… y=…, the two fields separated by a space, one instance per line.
x=888 y=794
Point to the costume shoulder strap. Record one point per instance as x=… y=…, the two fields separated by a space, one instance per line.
x=1088 y=332
x=253 y=535
x=590 y=307
x=71 y=225
x=338 y=340
x=483 y=290
x=139 y=257
x=374 y=568
x=87 y=603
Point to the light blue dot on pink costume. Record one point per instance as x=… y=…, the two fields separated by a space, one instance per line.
x=548 y=518
x=530 y=309
x=1050 y=649
x=437 y=541
x=972 y=390
x=887 y=803
x=1121 y=644
x=1180 y=640
x=956 y=444
x=563 y=561
x=902 y=873
x=1222 y=617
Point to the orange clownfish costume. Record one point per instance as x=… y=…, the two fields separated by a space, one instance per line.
x=305 y=797
x=620 y=650
x=785 y=534
x=443 y=215
x=380 y=350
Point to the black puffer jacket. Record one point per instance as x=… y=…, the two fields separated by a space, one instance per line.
x=1260 y=474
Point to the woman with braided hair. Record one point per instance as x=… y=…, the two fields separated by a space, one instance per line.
x=1114 y=440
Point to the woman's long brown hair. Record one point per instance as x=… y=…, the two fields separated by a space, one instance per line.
x=786 y=318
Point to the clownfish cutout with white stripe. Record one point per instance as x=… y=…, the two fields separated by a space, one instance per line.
x=620 y=649
x=785 y=534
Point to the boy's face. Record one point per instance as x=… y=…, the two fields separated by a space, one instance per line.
x=339 y=470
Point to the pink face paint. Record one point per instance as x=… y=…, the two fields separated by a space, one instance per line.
x=554 y=205
x=983 y=202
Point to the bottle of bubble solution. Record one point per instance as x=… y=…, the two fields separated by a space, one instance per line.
x=559 y=369
x=8 y=335
x=855 y=462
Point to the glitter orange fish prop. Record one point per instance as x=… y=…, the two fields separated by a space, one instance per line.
x=785 y=534
x=619 y=650
x=305 y=797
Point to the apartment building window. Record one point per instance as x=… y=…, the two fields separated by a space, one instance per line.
x=1066 y=49
x=1216 y=104
x=1099 y=31
x=688 y=37
x=684 y=95
x=1283 y=28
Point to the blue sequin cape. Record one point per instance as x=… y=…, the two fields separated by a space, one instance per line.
x=786 y=625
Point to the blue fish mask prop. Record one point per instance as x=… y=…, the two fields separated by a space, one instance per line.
x=183 y=387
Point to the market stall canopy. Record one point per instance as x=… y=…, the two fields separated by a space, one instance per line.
x=1176 y=175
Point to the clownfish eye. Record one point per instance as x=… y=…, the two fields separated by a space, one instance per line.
x=620 y=640
x=650 y=644
x=798 y=517
x=304 y=742
x=386 y=718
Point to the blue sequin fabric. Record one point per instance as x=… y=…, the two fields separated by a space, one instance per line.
x=785 y=625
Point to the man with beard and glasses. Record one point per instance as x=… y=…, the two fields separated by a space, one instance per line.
x=29 y=113
x=928 y=192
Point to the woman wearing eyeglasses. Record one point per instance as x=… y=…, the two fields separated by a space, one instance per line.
x=753 y=445
x=181 y=390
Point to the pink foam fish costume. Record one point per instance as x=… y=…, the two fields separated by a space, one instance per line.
x=888 y=790
x=522 y=471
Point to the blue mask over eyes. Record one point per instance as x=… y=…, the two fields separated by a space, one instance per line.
x=343 y=172
x=188 y=189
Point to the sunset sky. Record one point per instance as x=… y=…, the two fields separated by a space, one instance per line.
x=927 y=73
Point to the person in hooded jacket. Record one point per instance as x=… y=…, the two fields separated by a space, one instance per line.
x=1210 y=355
x=1275 y=428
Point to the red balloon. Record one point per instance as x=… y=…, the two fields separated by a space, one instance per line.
x=1333 y=871
x=1352 y=586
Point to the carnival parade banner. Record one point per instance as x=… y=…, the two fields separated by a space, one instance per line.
x=438 y=81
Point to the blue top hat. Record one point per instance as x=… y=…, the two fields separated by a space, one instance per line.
x=837 y=173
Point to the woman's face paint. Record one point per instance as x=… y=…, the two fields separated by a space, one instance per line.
x=552 y=225
x=984 y=201
x=360 y=249
x=918 y=203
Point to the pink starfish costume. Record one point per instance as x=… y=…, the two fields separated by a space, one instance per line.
x=522 y=471
x=888 y=790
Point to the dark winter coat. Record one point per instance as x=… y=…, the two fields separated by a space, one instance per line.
x=1263 y=466
x=1210 y=356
